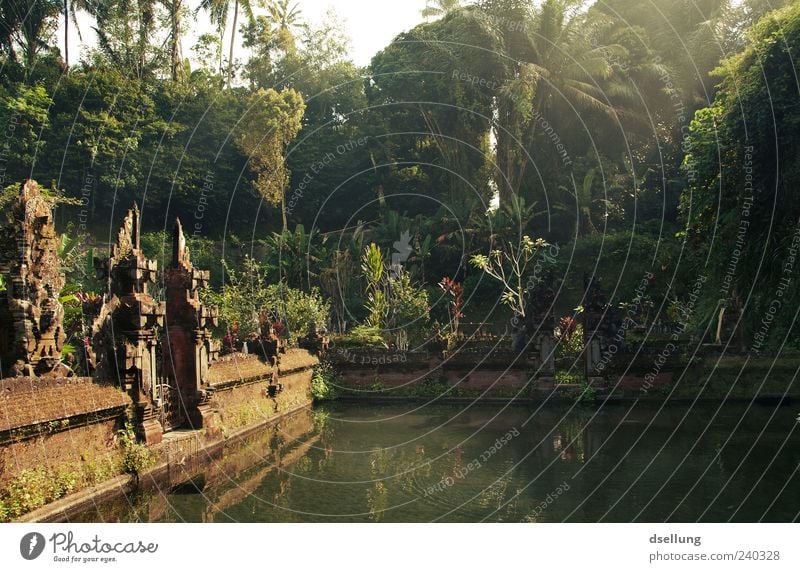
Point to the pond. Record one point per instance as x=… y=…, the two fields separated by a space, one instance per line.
x=415 y=462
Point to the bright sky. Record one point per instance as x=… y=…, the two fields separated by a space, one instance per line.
x=371 y=24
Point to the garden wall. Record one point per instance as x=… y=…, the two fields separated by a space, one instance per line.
x=50 y=423
x=496 y=373
x=60 y=435
x=241 y=392
x=650 y=373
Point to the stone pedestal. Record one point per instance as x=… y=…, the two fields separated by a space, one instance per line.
x=603 y=334
x=148 y=429
x=540 y=328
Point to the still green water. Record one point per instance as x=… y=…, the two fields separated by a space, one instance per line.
x=352 y=462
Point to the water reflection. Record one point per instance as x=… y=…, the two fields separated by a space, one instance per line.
x=348 y=462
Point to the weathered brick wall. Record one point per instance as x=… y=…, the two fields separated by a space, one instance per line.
x=240 y=387
x=500 y=372
x=46 y=423
x=93 y=443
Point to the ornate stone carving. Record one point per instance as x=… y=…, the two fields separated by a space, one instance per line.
x=187 y=339
x=540 y=326
x=124 y=329
x=29 y=260
x=601 y=325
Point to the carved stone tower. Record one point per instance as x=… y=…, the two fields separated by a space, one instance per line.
x=187 y=342
x=125 y=331
x=32 y=268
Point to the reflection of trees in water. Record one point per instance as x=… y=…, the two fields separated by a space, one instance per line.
x=571 y=437
x=404 y=466
x=321 y=419
x=136 y=507
x=377 y=500
x=498 y=496
x=378 y=495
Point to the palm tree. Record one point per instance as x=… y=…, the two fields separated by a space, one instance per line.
x=438 y=8
x=70 y=8
x=560 y=71
x=124 y=31
x=27 y=23
x=218 y=13
x=174 y=13
x=285 y=18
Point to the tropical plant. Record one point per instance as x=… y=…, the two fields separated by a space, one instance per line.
x=324 y=382
x=27 y=24
x=303 y=311
x=217 y=11
x=365 y=336
x=338 y=284
x=71 y=7
x=124 y=31
x=136 y=456
x=555 y=70
x=408 y=308
x=508 y=264
x=455 y=303
x=243 y=296
x=297 y=256
x=373 y=267
x=175 y=10
x=286 y=17
x=439 y=8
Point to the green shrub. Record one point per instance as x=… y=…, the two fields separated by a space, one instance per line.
x=302 y=310
x=136 y=457
x=431 y=387
x=29 y=490
x=571 y=345
x=324 y=382
x=408 y=308
x=365 y=336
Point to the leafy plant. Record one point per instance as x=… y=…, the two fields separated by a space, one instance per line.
x=408 y=308
x=373 y=267
x=570 y=342
x=366 y=336
x=324 y=382
x=508 y=264
x=303 y=310
x=243 y=297
x=136 y=457
x=455 y=292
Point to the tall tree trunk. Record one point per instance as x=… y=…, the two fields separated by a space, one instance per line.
x=233 y=37
x=283 y=212
x=175 y=40
x=66 y=34
x=221 y=49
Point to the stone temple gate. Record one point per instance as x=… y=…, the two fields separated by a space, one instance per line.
x=157 y=352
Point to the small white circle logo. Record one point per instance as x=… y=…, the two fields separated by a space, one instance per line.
x=31 y=545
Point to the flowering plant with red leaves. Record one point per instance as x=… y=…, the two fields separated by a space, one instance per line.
x=456 y=293
x=566 y=327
